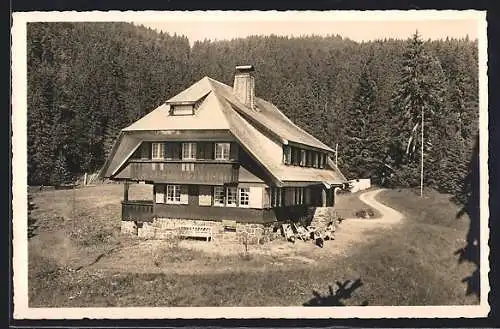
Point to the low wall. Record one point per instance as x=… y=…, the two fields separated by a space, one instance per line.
x=167 y=228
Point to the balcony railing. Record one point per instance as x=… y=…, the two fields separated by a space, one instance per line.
x=143 y=211
x=199 y=172
x=137 y=210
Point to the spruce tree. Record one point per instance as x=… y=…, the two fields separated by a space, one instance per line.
x=417 y=107
x=60 y=173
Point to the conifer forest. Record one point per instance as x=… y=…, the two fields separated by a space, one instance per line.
x=87 y=81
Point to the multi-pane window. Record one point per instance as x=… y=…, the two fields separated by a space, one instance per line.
x=188 y=151
x=222 y=151
x=157 y=151
x=218 y=196
x=173 y=194
x=231 y=196
x=244 y=196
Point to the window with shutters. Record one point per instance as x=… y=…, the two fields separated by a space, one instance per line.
x=244 y=196
x=222 y=151
x=188 y=151
x=173 y=194
x=157 y=151
x=219 y=196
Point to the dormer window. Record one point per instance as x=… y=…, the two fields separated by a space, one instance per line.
x=182 y=109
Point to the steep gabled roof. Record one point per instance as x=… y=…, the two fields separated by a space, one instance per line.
x=269 y=117
x=207 y=116
x=220 y=109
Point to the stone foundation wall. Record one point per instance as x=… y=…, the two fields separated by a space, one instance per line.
x=166 y=228
x=322 y=217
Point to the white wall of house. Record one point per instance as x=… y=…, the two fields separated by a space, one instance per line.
x=359 y=184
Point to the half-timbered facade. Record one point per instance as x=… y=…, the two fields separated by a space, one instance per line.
x=216 y=152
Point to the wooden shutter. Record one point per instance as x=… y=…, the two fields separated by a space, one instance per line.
x=176 y=151
x=159 y=193
x=184 y=194
x=266 y=197
x=233 y=151
x=145 y=150
x=205 y=196
x=201 y=151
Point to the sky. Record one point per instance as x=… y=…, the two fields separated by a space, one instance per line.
x=362 y=27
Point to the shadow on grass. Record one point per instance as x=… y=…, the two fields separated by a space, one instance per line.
x=470 y=193
x=344 y=291
x=31 y=219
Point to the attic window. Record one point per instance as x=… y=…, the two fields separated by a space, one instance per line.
x=182 y=109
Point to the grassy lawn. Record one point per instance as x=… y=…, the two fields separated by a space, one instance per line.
x=77 y=236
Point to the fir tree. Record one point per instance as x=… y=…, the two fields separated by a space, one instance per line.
x=60 y=173
x=417 y=105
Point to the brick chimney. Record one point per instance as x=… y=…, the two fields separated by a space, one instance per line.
x=244 y=85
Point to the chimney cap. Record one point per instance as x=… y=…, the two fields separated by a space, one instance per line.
x=245 y=68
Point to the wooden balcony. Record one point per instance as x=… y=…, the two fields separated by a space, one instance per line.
x=142 y=211
x=177 y=171
x=137 y=210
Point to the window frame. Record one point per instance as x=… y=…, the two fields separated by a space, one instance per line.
x=176 y=189
x=234 y=196
x=223 y=155
x=191 y=149
x=244 y=202
x=157 y=146
x=217 y=190
x=187 y=110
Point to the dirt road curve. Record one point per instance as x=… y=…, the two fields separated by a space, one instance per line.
x=388 y=214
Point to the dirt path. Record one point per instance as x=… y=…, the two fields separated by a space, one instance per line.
x=389 y=215
x=352 y=233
